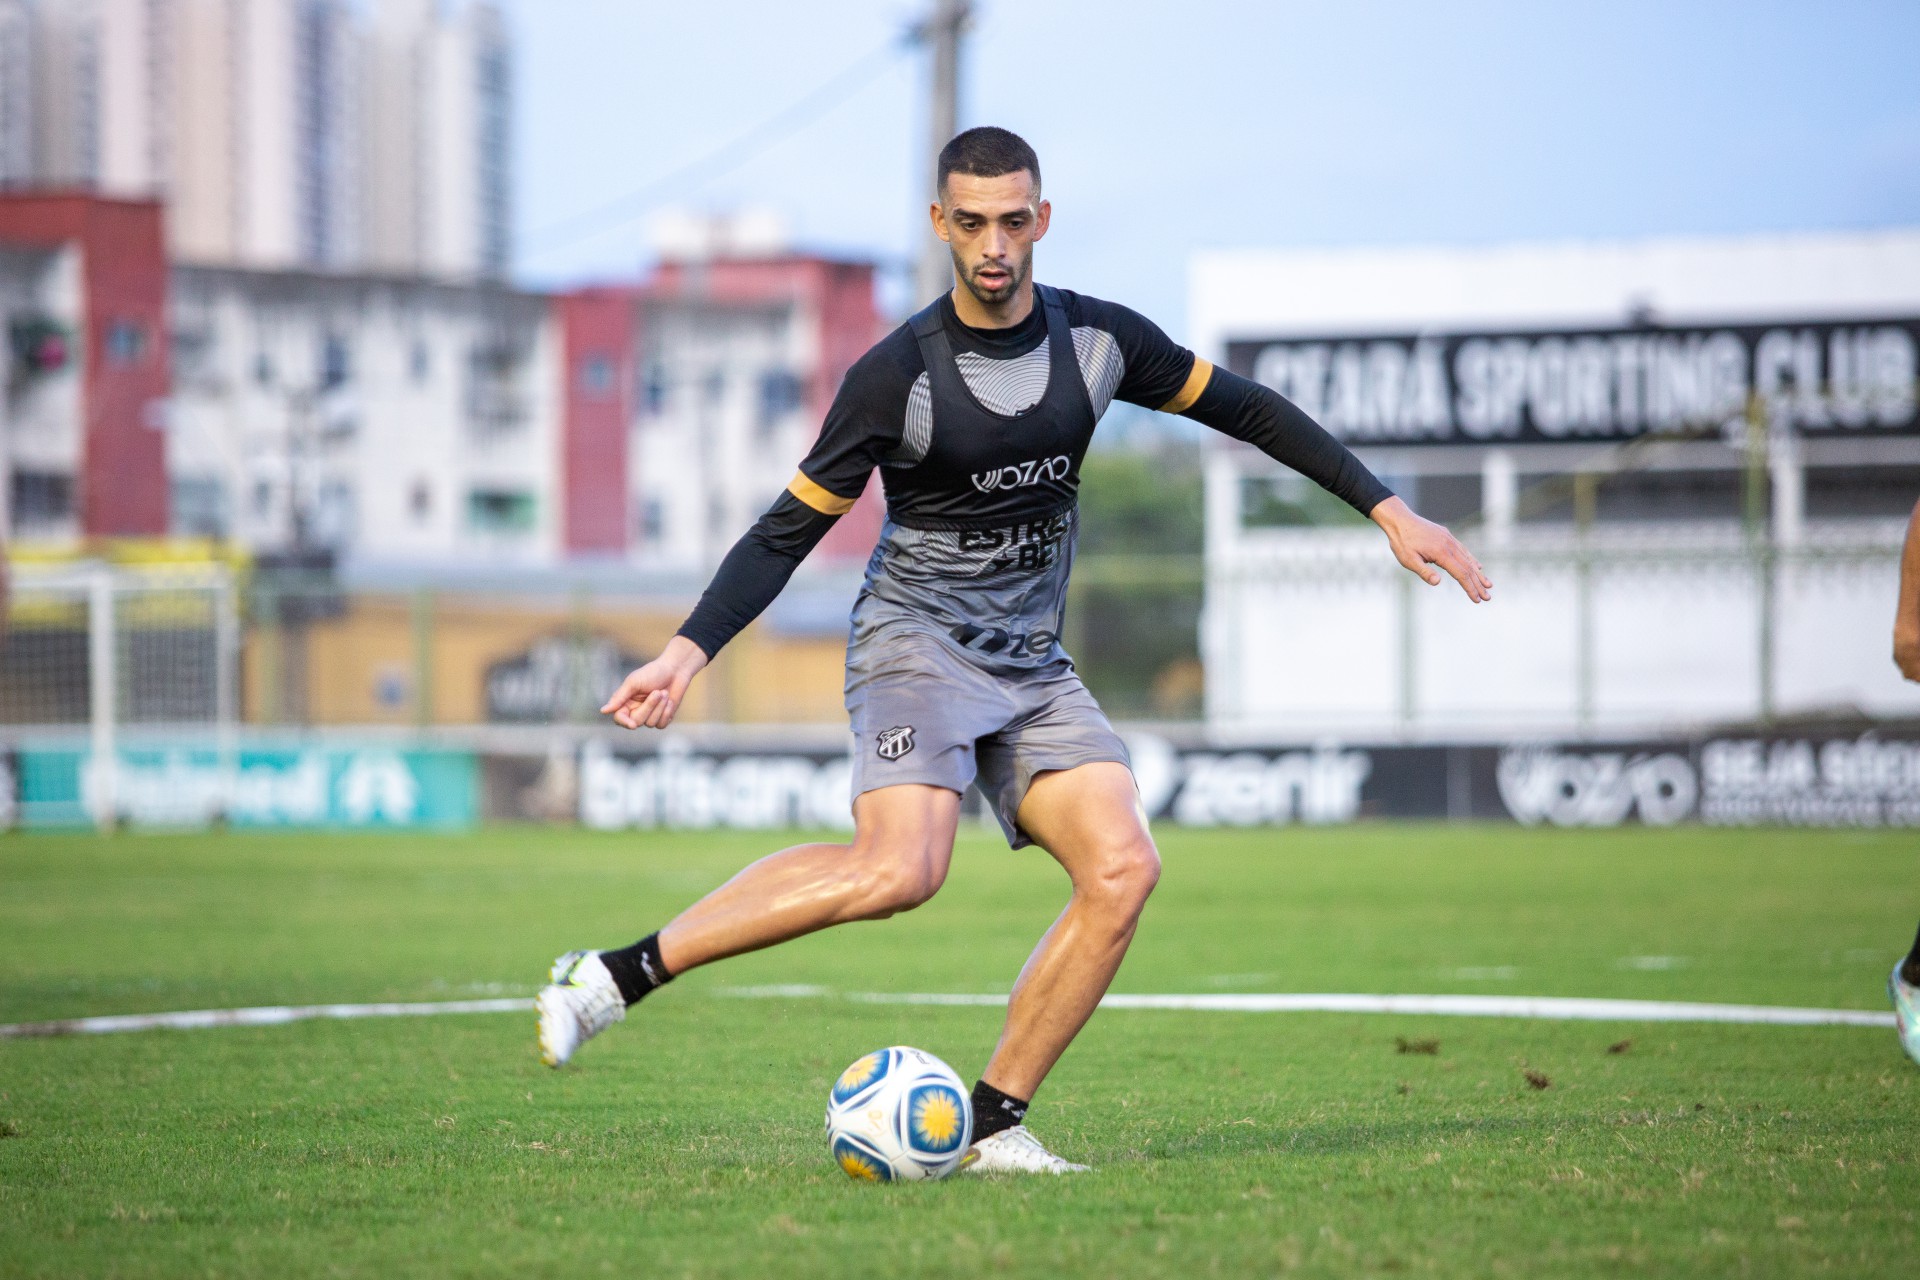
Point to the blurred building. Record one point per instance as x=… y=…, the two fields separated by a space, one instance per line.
x=83 y=288
x=281 y=133
x=384 y=417
x=16 y=92
x=519 y=490
x=410 y=419
x=737 y=360
x=1685 y=461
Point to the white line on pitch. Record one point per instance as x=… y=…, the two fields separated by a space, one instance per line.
x=271 y=1015
x=1550 y=1007
x=1553 y=1007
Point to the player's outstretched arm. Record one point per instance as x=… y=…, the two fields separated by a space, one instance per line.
x=649 y=696
x=1420 y=544
x=1246 y=410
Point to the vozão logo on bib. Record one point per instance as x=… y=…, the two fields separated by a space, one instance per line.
x=1022 y=474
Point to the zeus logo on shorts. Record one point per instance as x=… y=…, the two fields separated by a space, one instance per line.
x=1022 y=474
x=895 y=742
x=999 y=639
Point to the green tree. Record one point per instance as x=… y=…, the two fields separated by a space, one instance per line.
x=1133 y=618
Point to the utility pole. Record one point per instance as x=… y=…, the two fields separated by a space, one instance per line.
x=940 y=32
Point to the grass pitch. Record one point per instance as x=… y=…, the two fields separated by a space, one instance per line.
x=687 y=1142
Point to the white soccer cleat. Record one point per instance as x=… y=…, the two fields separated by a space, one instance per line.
x=582 y=1001
x=1016 y=1150
x=1906 y=1010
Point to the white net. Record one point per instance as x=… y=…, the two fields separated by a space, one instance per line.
x=99 y=661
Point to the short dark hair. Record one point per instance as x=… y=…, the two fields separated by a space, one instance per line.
x=987 y=152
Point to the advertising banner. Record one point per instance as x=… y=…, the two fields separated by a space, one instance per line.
x=295 y=787
x=682 y=788
x=1805 y=779
x=1850 y=378
x=1834 y=780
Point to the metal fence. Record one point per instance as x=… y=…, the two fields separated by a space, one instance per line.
x=1618 y=628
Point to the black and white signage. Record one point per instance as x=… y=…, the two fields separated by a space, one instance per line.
x=1834 y=780
x=1859 y=781
x=557 y=678
x=677 y=787
x=1846 y=379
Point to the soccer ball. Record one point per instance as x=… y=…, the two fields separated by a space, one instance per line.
x=898 y=1114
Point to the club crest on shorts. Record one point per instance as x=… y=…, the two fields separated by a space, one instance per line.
x=895 y=742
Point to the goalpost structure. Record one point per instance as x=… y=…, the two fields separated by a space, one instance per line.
x=99 y=657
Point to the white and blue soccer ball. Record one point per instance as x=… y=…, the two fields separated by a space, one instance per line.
x=898 y=1115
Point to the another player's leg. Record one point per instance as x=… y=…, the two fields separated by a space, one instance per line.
x=1089 y=819
x=902 y=844
x=1903 y=986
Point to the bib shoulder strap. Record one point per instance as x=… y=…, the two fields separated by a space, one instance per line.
x=1056 y=306
x=926 y=321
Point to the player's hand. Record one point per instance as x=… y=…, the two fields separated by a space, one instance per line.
x=650 y=695
x=1420 y=544
x=1906 y=648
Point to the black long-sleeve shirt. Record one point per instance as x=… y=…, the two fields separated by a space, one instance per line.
x=882 y=417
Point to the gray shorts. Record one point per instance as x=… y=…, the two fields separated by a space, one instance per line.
x=923 y=713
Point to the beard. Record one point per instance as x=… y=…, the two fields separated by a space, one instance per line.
x=1016 y=269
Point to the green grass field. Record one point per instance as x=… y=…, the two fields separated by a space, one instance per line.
x=687 y=1142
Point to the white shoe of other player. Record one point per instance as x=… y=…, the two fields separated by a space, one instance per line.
x=581 y=1002
x=1906 y=1010
x=1016 y=1151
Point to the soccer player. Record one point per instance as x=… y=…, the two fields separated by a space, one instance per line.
x=1903 y=984
x=977 y=412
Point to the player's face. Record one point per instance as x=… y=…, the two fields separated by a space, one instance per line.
x=990 y=224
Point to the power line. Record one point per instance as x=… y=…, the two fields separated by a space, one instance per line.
x=723 y=159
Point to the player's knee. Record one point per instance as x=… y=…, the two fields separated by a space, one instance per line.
x=899 y=880
x=1126 y=874
x=902 y=889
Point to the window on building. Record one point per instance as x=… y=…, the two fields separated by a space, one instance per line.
x=263 y=369
x=715 y=386
x=781 y=394
x=653 y=388
x=199 y=507
x=262 y=499
x=334 y=513
x=192 y=349
x=496 y=398
x=126 y=342
x=420 y=360
x=652 y=522
x=420 y=500
x=41 y=345
x=336 y=362
x=40 y=498
x=596 y=375
x=499 y=511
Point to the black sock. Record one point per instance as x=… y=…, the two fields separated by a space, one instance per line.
x=1910 y=968
x=637 y=969
x=994 y=1111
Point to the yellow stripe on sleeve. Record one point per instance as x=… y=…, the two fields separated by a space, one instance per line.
x=821 y=500
x=1196 y=383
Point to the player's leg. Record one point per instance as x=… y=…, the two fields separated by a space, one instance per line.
x=1089 y=819
x=902 y=844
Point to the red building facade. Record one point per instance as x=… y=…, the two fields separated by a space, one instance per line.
x=121 y=481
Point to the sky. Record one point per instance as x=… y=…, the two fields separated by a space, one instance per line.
x=1165 y=128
